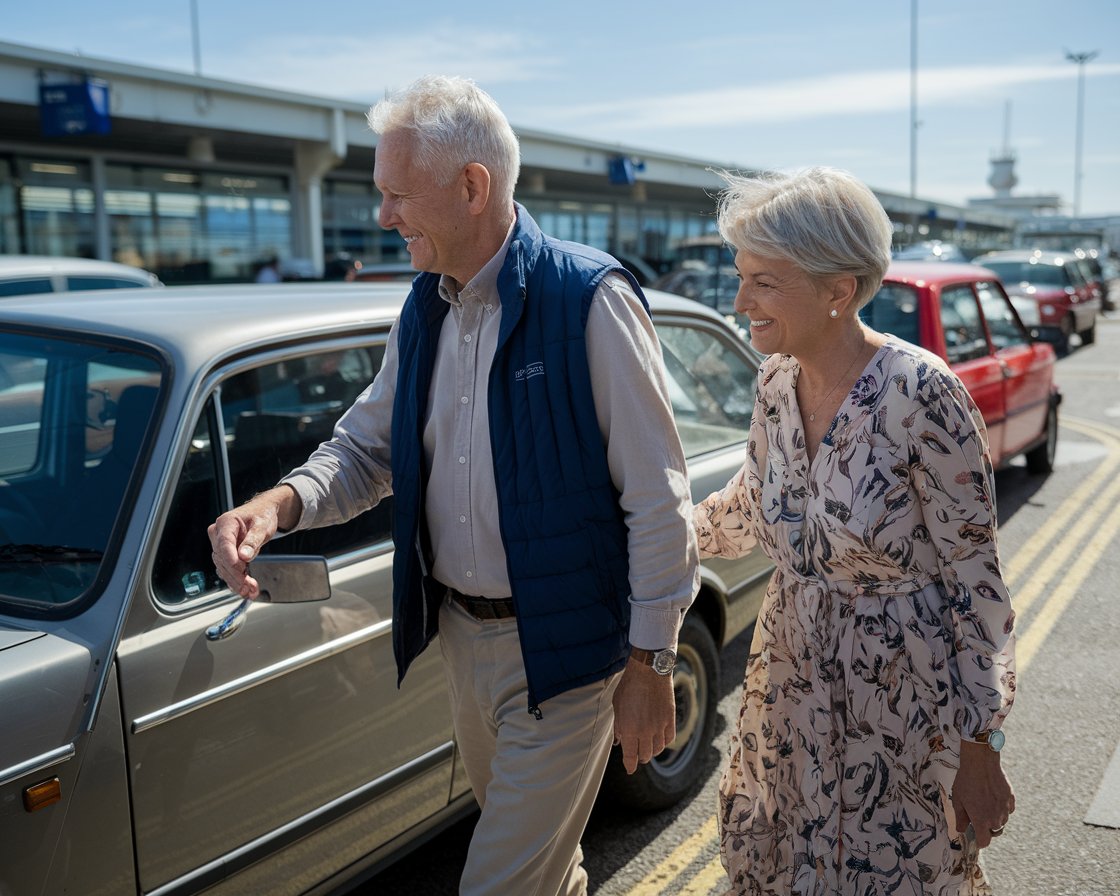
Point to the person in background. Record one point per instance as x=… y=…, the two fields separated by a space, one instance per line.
x=542 y=526
x=269 y=271
x=866 y=758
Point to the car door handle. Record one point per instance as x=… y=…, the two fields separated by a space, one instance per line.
x=1006 y=370
x=232 y=622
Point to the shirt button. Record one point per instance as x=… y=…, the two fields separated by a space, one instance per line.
x=462 y=460
x=462 y=519
x=467 y=338
x=463 y=400
x=470 y=574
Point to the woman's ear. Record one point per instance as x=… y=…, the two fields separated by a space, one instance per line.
x=841 y=295
x=476 y=183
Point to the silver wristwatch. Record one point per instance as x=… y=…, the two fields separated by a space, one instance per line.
x=994 y=739
x=662 y=661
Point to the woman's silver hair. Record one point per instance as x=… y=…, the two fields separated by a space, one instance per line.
x=823 y=220
x=455 y=123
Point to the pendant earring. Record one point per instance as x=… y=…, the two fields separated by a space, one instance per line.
x=833 y=313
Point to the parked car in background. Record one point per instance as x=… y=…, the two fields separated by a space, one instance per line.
x=714 y=287
x=1067 y=304
x=963 y=314
x=1094 y=272
x=148 y=748
x=29 y=274
x=932 y=250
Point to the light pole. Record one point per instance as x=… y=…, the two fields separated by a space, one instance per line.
x=1080 y=59
x=194 y=38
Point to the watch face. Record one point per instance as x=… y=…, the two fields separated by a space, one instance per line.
x=996 y=740
x=664 y=661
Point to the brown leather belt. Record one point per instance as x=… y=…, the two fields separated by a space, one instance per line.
x=483 y=608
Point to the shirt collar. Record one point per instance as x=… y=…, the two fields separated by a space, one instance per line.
x=484 y=283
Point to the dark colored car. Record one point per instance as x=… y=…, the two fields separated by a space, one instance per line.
x=963 y=314
x=1067 y=303
x=145 y=747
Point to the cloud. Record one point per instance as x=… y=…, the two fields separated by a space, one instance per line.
x=355 y=67
x=833 y=95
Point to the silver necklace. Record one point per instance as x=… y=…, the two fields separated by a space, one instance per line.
x=820 y=404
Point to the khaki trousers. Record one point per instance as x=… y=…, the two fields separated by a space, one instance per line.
x=535 y=779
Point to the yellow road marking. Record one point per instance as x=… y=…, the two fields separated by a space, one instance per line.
x=1024 y=558
x=658 y=880
x=1062 y=596
x=711 y=876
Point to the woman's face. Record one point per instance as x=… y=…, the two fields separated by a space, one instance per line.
x=788 y=311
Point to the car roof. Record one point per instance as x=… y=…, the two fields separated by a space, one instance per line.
x=46 y=265
x=1042 y=256
x=923 y=272
x=215 y=320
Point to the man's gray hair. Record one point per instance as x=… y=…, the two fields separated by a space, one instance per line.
x=455 y=123
x=823 y=220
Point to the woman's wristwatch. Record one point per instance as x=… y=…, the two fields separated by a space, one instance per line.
x=662 y=661
x=994 y=739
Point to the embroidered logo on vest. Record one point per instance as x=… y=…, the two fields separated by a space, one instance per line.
x=529 y=371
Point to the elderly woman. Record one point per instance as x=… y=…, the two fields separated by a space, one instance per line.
x=866 y=760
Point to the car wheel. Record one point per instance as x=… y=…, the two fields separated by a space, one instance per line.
x=671 y=774
x=1065 y=330
x=1040 y=460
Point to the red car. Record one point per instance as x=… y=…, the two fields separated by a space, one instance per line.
x=1067 y=302
x=962 y=313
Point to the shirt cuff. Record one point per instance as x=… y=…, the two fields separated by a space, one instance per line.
x=653 y=629
x=308 y=500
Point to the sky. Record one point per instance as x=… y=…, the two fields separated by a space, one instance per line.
x=741 y=85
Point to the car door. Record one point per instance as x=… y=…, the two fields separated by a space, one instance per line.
x=972 y=358
x=711 y=378
x=266 y=761
x=1025 y=366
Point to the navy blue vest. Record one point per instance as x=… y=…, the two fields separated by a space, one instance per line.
x=561 y=523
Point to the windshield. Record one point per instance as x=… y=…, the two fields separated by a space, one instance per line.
x=1035 y=273
x=73 y=418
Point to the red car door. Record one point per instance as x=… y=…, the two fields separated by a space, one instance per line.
x=973 y=359
x=1027 y=369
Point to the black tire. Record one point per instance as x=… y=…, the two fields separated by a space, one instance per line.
x=1065 y=331
x=1040 y=459
x=1088 y=337
x=672 y=774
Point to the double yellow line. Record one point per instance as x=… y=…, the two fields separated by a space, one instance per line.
x=1084 y=524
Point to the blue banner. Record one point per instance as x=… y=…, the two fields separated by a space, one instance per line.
x=67 y=110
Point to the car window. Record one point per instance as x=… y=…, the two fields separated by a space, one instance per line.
x=269 y=419
x=1027 y=272
x=711 y=385
x=101 y=283
x=893 y=309
x=960 y=320
x=74 y=418
x=25 y=287
x=1003 y=324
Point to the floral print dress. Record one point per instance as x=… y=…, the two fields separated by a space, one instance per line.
x=886 y=634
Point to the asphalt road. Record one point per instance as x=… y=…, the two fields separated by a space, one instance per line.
x=1060 y=547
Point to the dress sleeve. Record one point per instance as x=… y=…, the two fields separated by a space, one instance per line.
x=954 y=479
x=725 y=520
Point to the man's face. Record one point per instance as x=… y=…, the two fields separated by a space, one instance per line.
x=431 y=216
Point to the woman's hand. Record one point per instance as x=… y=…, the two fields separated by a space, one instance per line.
x=982 y=795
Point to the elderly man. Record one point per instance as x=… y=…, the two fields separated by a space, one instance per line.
x=542 y=511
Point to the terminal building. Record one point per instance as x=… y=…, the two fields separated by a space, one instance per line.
x=199 y=179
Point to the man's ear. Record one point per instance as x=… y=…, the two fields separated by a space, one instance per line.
x=476 y=184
